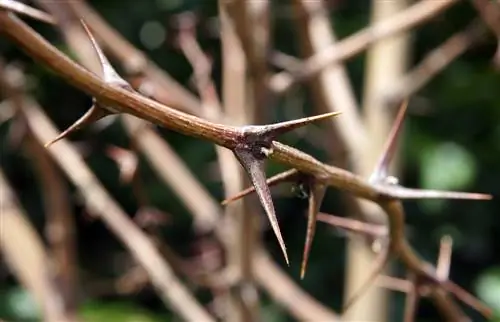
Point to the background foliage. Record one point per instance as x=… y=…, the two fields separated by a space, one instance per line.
x=451 y=141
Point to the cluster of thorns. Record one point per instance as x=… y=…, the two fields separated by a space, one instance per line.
x=252 y=145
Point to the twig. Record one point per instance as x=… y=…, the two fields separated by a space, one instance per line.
x=435 y=62
x=417 y=14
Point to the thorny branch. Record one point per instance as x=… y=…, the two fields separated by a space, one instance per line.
x=254 y=142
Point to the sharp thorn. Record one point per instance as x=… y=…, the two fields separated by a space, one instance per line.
x=288 y=175
x=409 y=193
x=255 y=171
x=94 y=114
x=382 y=167
x=109 y=74
x=316 y=195
x=276 y=129
x=23 y=9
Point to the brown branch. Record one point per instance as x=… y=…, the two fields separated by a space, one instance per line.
x=121 y=99
x=417 y=14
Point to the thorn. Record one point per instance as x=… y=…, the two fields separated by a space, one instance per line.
x=288 y=175
x=255 y=171
x=271 y=131
x=382 y=167
x=316 y=194
x=444 y=259
x=409 y=193
x=379 y=266
x=353 y=225
x=21 y=8
x=109 y=74
x=94 y=114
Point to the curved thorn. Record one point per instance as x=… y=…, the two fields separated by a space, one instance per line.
x=316 y=194
x=288 y=175
x=23 y=9
x=255 y=171
x=94 y=114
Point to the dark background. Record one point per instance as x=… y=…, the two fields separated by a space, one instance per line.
x=451 y=141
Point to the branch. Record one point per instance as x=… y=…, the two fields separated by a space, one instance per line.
x=417 y=14
x=332 y=88
x=435 y=62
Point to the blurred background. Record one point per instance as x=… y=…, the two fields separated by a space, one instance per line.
x=451 y=141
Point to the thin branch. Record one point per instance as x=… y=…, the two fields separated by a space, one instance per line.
x=417 y=14
x=436 y=61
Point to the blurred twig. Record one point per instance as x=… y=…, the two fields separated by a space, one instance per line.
x=28 y=260
x=435 y=62
x=417 y=14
